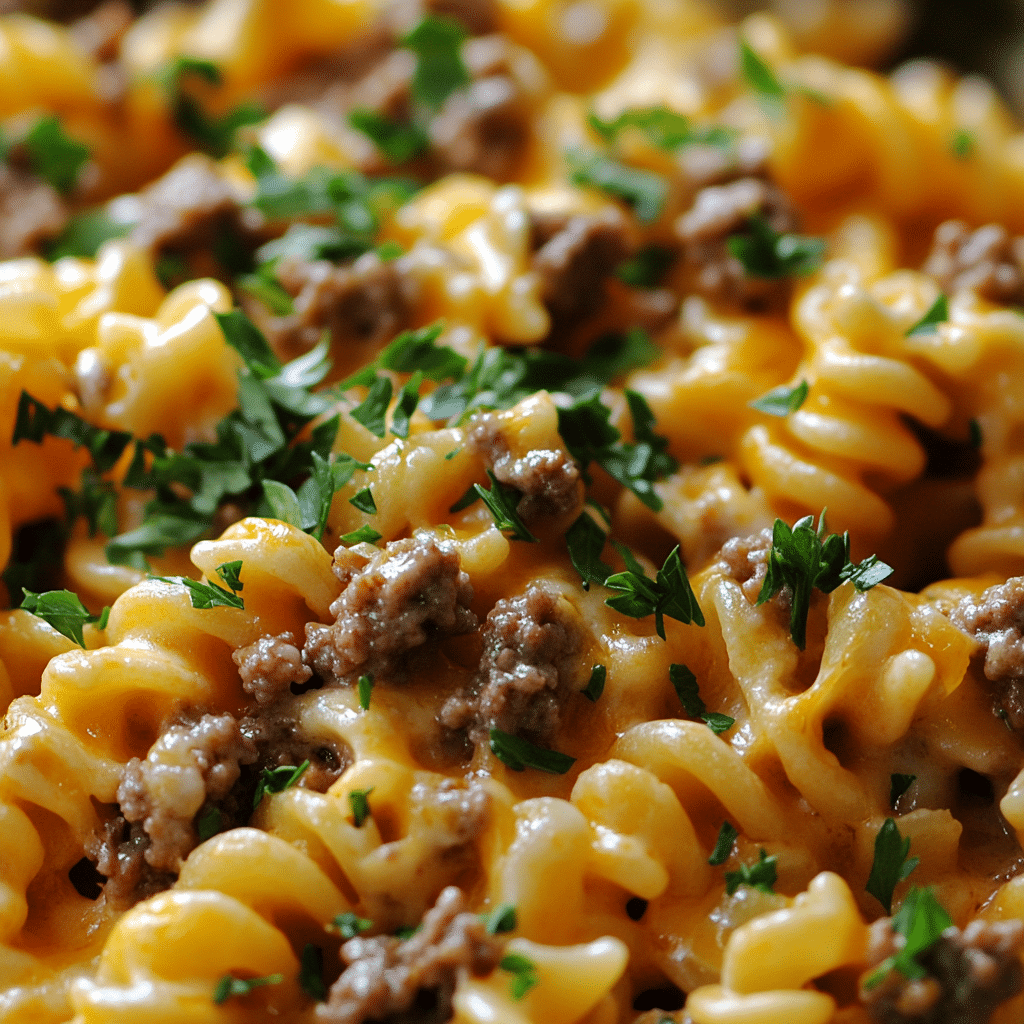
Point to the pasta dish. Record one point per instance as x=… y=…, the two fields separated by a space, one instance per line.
x=511 y=512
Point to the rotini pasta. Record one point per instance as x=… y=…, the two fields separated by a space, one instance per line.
x=422 y=431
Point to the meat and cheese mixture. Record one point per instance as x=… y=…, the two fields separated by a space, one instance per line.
x=511 y=512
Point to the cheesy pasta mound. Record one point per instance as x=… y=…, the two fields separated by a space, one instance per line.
x=511 y=512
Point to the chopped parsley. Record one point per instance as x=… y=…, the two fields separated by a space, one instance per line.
x=364 y=535
x=516 y=753
x=898 y=785
x=64 y=611
x=440 y=71
x=664 y=128
x=209 y=595
x=502 y=500
x=359 y=802
x=782 y=401
x=349 y=925
x=263 y=285
x=209 y=823
x=277 y=780
x=399 y=141
x=372 y=411
x=762 y=80
x=363 y=500
x=921 y=920
x=230 y=986
x=962 y=144
x=804 y=559
x=643 y=190
x=95 y=501
x=938 y=313
x=645 y=268
x=765 y=253
x=585 y=540
x=53 y=154
x=595 y=687
x=891 y=864
x=669 y=593
x=501 y=920
x=762 y=874
x=727 y=836
x=311 y=972
x=523 y=971
x=83 y=234
x=684 y=682
x=215 y=135
x=365 y=691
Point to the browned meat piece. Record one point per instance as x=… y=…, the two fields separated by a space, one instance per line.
x=987 y=261
x=270 y=666
x=549 y=479
x=745 y=559
x=574 y=263
x=362 y=303
x=392 y=603
x=100 y=32
x=187 y=212
x=31 y=211
x=969 y=974
x=280 y=741
x=120 y=854
x=386 y=978
x=190 y=766
x=996 y=621
x=532 y=647
x=704 y=165
x=718 y=212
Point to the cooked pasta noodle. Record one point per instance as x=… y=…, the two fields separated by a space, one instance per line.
x=522 y=526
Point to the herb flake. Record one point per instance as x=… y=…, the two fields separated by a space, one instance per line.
x=359 y=802
x=516 y=753
x=762 y=874
x=727 y=836
x=782 y=401
x=64 y=611
x=684 y=682
x=891 y=864
x=938 y=313
x=229 y=986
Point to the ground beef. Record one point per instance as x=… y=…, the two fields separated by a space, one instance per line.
x=99 y=33
x=270 y=666
x=120 y=854
x=192 y=214
x=969 y=974
x=190 y=766
x=745 y=559
x=575 y=261
x=548 y=478
x=392 y=603
x=532 y=647
x=717 y=213
x=987 y=261
x=31 y=212
x=280 y=741
x=462 y=812
x=362 y=303
x=412 y=981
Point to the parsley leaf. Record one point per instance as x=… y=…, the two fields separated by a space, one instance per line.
x=645 y=268
x=230 y=986
x=363 y=500
x=921 y=920
x=263 y=285
x=359 y=801
x=83 y=234
x=727 y=836
x=760 y=875
x=501 y=920
x=349 y=925
x=373 y=410
x=962 y=144
x=938 y=313
x=642 y=190
x=440 y=71
x=209 y=595
x=95 y=501
x=804 y=558
x=277 y=780
x=365 y=534
x=365 y=691
x=63 y=610
x=585 y=541
x=413 y=351
x=408 y=399
x=53 y=154
x=663 y=127
x=502 y=501
x=890 y=865
x=311 y=972
x=762 y=80
x=781 y=401
x=517 y=754
x=399 y=141
x=524 y=974
x=209 y=823
x=898 y=785
x=767 y=254
x=684 y=682
x=668 y=594
x=595 y=687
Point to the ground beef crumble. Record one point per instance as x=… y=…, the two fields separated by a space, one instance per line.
x=530 y=663
x=745 y=559
x=970 y=973
x=412 y=981
x=393 y=602
x=269 y=666
x=31 y=212
x=717 y=213
x=548 y=479
x=987 y=261
x=996 y=621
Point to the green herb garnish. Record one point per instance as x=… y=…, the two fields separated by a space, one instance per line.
x=684 y=682
x=63 y=610
x=209 y=595
x=349 y=925
x=595 y=687
x=765 y=253
x=277 y=780
x=727 y=836
x=760 y=875
x=669 y=593
x=365 y=691
x=53 y=154
x=230 y=986
x=891 y=865
x=501 y=920
x=502 y=501
x=311 y=972
x=663 y=127
x=517 y=754
x=782 y=401
x=643 y=190
x=359 y=801
x=921 y=920
x=938 y=313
